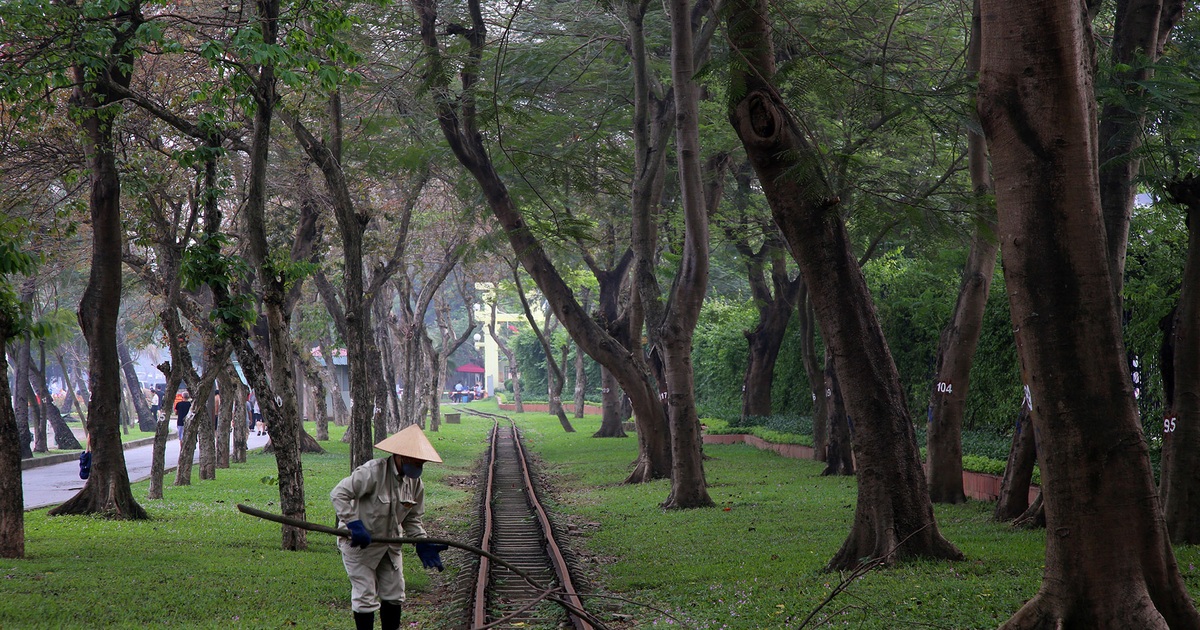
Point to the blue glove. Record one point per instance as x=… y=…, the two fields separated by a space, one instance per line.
x=359 y=536
x=428 y=552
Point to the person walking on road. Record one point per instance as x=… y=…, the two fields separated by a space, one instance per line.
x=384 y=497
x=181 y=411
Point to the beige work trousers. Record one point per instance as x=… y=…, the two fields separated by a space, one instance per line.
x=376 y=574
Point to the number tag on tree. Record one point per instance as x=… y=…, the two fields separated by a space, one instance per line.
x=945 y=387
x=1169 y=424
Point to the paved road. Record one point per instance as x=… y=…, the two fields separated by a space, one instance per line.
x=50 y=485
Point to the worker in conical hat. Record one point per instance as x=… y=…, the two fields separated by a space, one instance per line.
x=384 y=497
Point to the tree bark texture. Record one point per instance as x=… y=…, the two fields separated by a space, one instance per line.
x=893 y=516
x=12 y=497
x=1181 y=429
x=1038 y=110
x=107 y=491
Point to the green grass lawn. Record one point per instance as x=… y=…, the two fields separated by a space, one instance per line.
x=755 y=561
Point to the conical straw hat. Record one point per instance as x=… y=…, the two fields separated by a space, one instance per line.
x=410 y=442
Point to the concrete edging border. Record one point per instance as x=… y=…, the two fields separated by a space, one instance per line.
x=50 y=460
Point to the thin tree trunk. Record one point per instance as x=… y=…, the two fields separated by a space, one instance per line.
x=839 y=459
x=64 y=438
x=815 y=372
x=21 y=395
x=1037 y=106
x=1140 y=30
x=145 y=418
x=1018 y=473
x=329 y=373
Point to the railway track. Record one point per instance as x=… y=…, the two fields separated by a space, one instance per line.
x=516 y=528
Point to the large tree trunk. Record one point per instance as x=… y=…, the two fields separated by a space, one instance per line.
x=276 y=393
x=12 y=497
x=107 y=490
x=145 y=418
x=1037 y=106
x=893 y=517
x=1181 y=429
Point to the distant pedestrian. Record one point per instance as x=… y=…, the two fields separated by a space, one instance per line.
x=181 y=411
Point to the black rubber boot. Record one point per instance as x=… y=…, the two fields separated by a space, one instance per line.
x=389 y=616
x=364 y=621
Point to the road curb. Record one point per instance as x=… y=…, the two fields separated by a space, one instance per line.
x=50 y=460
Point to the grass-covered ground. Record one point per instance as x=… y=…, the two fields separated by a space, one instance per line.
x=755 y=561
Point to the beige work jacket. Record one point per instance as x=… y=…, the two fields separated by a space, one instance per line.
x=388 y=504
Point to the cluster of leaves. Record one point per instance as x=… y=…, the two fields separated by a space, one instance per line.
x=206 y=263
x=14 y=314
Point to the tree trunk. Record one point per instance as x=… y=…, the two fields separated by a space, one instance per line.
x=64 y=438
x=333 y=384
x=36 y=419
x=956 y=352
x=960 y=338
x=1018 y=473
x=1036 y=104
x=839 y=458
x=238 y=393
x=815 y=372
x=12 y=497
x=554 y=370
x=107 y=490
x=162 y=432
x=21 y=392
x=580 y=384
x=224 y=410
x=1140 y=31
x=145 y=418
x=764 y=343
x=1181 y=428
x=457 y=120
x=893 y=517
